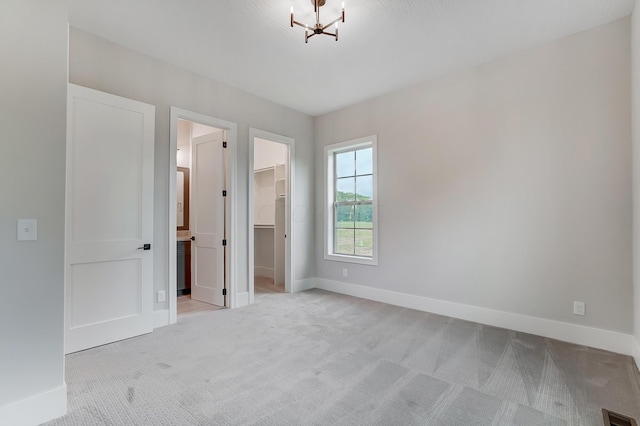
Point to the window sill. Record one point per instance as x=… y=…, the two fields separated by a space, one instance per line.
x=352 y=259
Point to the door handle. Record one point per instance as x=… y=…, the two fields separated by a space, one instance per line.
x=145 y=247
x=193 y=238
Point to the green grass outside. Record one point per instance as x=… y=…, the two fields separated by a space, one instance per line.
x=363 y=241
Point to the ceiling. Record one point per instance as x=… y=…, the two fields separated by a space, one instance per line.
x=384 y=46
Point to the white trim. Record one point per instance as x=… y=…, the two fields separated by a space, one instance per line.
x=36 y=409
x=231 y=130
x=573 y=333
x=329 y=150
x=161 y=318
x=290 y=201
x=242 y=299
x=304 y=285
x=636 y=350
x=263 y=271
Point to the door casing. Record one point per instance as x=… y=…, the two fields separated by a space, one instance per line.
x=234 y=299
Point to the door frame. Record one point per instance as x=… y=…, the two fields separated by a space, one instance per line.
x=289 y=252
x=231 y=130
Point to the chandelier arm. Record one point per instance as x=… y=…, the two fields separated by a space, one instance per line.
x=300 y=24
x=332 y=22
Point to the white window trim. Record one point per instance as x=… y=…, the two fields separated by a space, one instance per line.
x=329 y=150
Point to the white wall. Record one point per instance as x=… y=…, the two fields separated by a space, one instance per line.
x=268 y=154
x=506 y=186
x=183 y=156
x=105 y=66
x=635 y=69
x=33 y=87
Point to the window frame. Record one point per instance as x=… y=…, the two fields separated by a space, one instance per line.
x=330 y=201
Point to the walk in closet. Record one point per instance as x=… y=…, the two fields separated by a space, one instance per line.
x=270 y=193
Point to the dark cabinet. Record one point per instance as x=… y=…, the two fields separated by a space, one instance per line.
x=184 y=267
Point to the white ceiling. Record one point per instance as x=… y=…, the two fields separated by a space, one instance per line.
x=384 y=45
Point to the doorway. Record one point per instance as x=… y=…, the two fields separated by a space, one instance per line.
x=270 y=211
x=200 y=217
x=202 y=207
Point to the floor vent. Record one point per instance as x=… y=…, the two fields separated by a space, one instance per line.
x=615 y=419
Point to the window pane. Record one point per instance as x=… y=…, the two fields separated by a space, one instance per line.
x=364 y=161
x=345 y=189
x=344 y=241
x=364 y=186
x=364 y=242
x=345 y=164
x=364 y=216
x=345 y=216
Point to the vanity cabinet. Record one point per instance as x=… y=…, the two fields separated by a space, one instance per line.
x=184 y=267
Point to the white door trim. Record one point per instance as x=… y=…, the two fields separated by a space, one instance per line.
x=290 y=252
x=232 y=240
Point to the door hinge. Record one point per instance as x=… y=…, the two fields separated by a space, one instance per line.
x=224 y=291
x=224 y=144
x=224 y=192
x=224 y=242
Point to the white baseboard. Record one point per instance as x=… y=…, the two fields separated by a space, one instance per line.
x=573 y=333
x=242 y=299
x=160 y=318
x=636 y=351
x=37 y=409
x=262 y=271
x=303 y=285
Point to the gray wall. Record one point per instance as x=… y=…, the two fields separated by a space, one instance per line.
x=108 y=67
x=33 y=93
x=506 y=186
x=635 y=69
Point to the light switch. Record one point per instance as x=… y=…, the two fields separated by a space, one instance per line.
x=27 y=229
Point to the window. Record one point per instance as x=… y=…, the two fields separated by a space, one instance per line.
x=350 y=213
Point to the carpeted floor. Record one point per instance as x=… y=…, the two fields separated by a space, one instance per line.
x=318 y=358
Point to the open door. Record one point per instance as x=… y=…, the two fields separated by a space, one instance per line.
x=207 y=218
x=109 y=219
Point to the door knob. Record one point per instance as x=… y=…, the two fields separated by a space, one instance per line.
x=145 y=247
x=193 y=238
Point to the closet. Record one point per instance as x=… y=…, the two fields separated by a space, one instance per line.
x=269 y=204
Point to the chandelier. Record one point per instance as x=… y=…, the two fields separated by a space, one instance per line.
x=318 y=28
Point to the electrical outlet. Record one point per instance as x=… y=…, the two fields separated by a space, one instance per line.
x=578 y=308
x=27 y=229
x=162 y=296
x=345 y=272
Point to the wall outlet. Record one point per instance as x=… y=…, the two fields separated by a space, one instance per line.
x=162 y=296
x=578 y=308
x=345 y=272
x=27 y=229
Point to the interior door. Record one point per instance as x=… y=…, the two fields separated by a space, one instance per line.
x=207 y=226
x=109 y=218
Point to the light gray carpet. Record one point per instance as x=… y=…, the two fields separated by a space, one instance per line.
x=318 y=358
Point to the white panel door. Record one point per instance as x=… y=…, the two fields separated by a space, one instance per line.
x=109 y=219
x=207 y=215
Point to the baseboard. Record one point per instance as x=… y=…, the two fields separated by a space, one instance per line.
x=303 y=285
x=242 y=299
x=573 y=333
x=636 y=350
x=37 y=409
x=262 y=271
x=160 y=318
